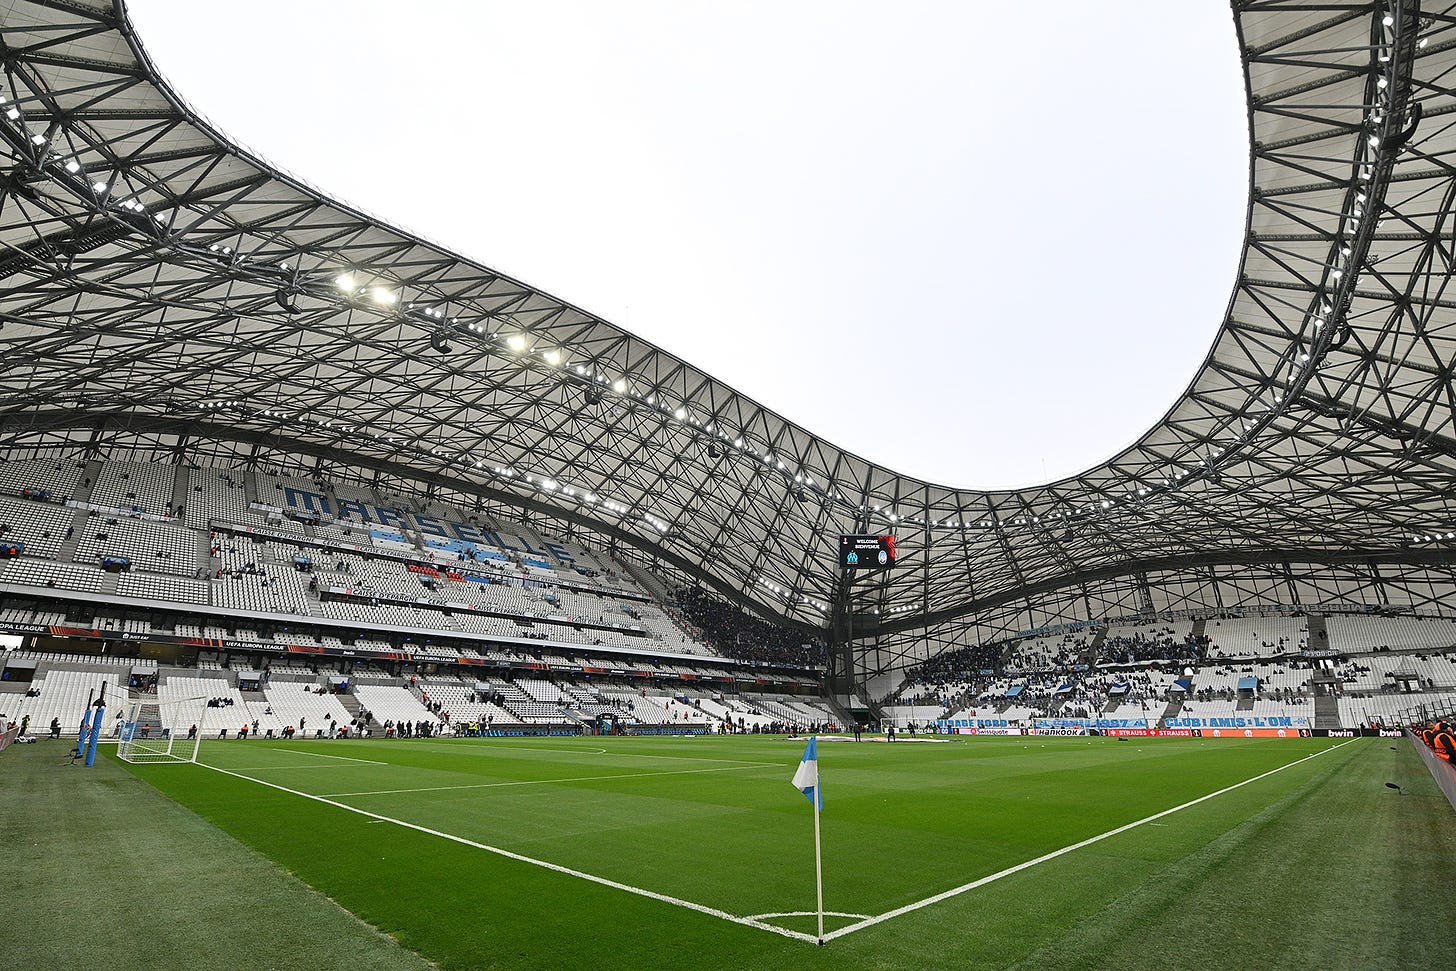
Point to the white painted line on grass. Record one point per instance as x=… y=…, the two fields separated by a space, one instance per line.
x=305 y=767
x=546 y=782
x=806 y=913
x=487 y=750
x=321 y=755
x=460 y=746
x=554 y=867
x=946 y=895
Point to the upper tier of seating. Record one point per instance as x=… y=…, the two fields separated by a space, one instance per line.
x=242 y=540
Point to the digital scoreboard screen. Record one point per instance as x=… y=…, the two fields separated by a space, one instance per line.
x=866 y=552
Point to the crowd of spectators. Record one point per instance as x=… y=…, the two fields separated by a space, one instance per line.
x=954 y=677
x=961 y=664
x=1164 y=644
x=735 y=634
x=1048 y=653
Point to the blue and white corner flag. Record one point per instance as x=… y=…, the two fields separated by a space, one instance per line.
x=806 y=779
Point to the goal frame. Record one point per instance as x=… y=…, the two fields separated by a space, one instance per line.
x=165 y=748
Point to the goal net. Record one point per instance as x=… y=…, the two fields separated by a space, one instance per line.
x=150 y=730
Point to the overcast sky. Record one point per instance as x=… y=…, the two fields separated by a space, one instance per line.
x=984 y=244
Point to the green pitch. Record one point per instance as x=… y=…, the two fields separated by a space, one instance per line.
x=698 y=853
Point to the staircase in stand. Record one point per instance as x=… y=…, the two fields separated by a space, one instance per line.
x=89 y=475
x=1319 y=636
x=646 y=578
x=352 y=706
x=1326 y=706
x=1174 y=709
x=204 y=551
x=180 y=486
x=68 y=546
x=150 y=714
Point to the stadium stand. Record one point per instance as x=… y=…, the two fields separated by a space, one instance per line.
x=1256 y=636
x=135 y=487
x=58 y=478
x=392 y=704
x=41 y=526
x=1358 y=634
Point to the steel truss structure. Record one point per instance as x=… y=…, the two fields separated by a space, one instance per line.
x=165 y=292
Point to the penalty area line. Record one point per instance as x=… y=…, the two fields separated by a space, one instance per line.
x=521 y=858
x=1009 y=871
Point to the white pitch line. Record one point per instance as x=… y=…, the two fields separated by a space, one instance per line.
x=806 y=913
x=546 y=782
x=946 y=895
x=485 y=751
x=455 y=746
x=554 y=867
x=308 y=767
x=320 y=755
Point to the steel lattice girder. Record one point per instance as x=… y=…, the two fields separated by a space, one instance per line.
x=158 y=276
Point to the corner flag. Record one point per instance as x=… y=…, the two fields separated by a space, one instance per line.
x=806 y=779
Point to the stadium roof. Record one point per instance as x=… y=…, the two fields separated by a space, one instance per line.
x=158 y=278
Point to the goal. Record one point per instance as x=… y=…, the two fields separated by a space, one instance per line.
x=150 y=731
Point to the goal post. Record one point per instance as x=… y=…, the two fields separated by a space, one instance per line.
x=146 y=739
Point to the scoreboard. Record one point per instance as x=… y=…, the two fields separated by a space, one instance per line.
x=862 y=552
